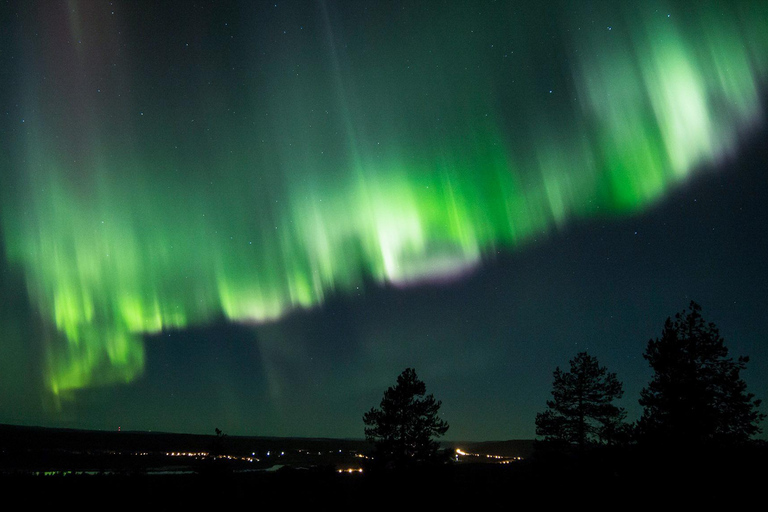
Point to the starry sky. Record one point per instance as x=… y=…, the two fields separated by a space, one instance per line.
x=254 y=215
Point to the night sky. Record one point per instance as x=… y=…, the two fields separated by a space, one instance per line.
x=254 y=215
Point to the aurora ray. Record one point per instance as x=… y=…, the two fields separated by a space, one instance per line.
x=143 y=205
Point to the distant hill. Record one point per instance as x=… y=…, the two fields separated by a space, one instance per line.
x=41 y=449
x=14 y=437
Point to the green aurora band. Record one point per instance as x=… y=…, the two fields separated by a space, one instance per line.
x=316 y=177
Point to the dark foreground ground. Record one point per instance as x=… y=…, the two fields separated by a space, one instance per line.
x=601 y=483
x=98 y=471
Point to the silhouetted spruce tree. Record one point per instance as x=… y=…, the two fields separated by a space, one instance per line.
x=696 y=395
x=403 y=427
x=581 y=411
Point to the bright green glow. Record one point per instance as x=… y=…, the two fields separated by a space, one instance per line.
x=132 y=237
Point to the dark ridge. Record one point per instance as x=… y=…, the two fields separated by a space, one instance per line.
x=13 y=437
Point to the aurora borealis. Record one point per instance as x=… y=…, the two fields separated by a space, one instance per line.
x=173 y=170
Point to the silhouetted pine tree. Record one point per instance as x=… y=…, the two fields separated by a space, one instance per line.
x=581 y=411
x=696 y=395
x=403 y=427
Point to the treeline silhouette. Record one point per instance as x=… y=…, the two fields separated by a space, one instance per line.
x=696 y=397
x=696 y=431
x=695 y=437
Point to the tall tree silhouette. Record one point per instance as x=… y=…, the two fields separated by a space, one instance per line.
x=581 y=411
x=402 y=429
x=696 y=394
